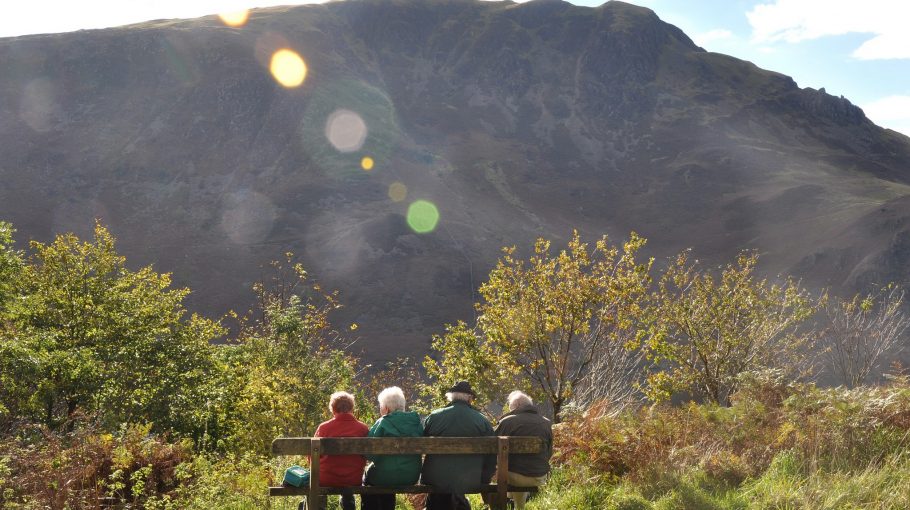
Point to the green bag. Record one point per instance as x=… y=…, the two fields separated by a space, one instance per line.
x=296 y=476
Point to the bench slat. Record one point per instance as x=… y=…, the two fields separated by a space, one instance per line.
x=404 y=445
x=369 y=489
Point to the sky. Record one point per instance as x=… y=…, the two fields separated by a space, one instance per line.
x=859 y=50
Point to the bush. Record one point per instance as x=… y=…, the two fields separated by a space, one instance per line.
x=74 y=470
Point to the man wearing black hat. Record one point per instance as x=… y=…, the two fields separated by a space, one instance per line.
x=456 y=474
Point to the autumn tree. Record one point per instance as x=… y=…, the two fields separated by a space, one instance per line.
x=94 y=335
x=17 y=369
x=862 y=331
x=465 y=355
x=10 y=266
x=547 y=320
x=712 y=329
x=286 y=362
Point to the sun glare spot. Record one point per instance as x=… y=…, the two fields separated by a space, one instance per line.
x=38 y=107
x=288 y=68
x=366 y=163
x=423 y=216
x=247 y=217
x=398 y=192
x=345 y=130
x=235 y=18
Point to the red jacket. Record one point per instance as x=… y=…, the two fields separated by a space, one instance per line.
x=341 y=470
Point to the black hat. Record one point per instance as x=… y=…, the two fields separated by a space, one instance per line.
x=462 y=387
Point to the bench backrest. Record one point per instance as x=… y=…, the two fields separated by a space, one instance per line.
x=404 y=445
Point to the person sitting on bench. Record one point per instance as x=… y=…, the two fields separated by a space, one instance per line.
x=526 y=470
x=342 y=470
x=394 y=470
x=456 y=474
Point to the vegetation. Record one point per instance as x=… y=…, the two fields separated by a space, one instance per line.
x=779 y=445
x=83 y=332
x=111 y=392
x=862 y=331
x=712 y=329
x=549 y=320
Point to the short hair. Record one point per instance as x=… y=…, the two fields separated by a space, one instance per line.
x=341 y=402
x=457 y=395
x=519 y=399
x=392 y=398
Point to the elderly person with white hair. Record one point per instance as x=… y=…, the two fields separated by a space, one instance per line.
x=530 y=469
x=455 y=475
x=392 y=470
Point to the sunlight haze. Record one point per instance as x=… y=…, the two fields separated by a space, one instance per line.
x=857 y=50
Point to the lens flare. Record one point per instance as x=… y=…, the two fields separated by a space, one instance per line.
x=247 y=217
x=366 y=163
x=288 y=68
x=398 y=192
x=38 y=107
x=345 y=130
x=423 y=216
x=235 y=18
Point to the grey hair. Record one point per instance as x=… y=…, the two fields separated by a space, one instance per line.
x=341 y=402
x=457 y=395
x=392 y=398
x=519 y=399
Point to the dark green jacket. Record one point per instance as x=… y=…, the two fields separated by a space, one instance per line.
x=395 y=469
x=457 y=473
x=527 y=421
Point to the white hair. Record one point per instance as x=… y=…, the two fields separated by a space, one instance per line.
x=457 y=395
x=392 y=398
x=519 y=399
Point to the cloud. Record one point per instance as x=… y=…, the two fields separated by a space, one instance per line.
x=794 y=21
x=705 y=38
x=892 y=112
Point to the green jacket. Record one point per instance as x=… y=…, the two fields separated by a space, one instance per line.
x=395 y=469
x=457 y=473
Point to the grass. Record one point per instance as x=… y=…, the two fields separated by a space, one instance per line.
x=780 y=446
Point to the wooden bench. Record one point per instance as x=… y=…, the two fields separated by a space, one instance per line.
x=314 y=446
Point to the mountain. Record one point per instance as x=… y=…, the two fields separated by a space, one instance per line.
x=515 y=120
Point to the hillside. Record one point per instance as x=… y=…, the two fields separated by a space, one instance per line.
x=515 y=120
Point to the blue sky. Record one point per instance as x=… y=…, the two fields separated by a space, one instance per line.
x=860 y=50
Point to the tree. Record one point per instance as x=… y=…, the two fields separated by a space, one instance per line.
x=113 y=342
x=17 y=368
x=862 y=331
x=712 y=330
x=285 y=364
x=548 y=319
x=10 y=266
x=466 y=356
x=616 y=377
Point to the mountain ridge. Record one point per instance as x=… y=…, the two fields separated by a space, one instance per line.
x=516 y=120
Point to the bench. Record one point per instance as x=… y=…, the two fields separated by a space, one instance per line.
x=313 y=447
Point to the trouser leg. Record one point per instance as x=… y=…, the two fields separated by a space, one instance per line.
x=523 y=481
x=461 y=502
x=440 y=502
x=519 y=498
x=347 y=501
